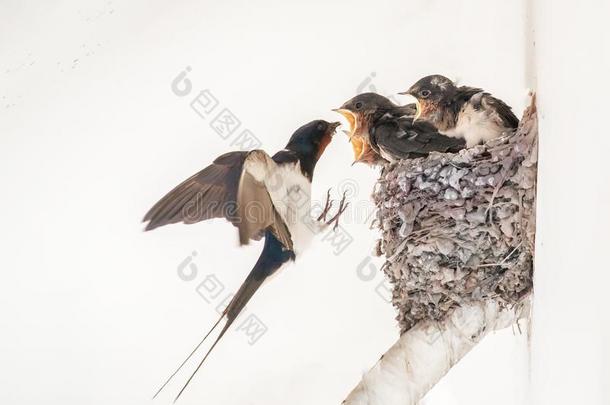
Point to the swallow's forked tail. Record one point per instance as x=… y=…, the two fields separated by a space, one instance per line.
x=188 y=357
x=271 y=259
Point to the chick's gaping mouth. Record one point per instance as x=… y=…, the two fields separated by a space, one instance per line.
x=356 y=138
x=418 y=110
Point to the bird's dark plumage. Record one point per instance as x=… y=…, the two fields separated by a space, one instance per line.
x=223 y=189
x=383 y=131
x=217 y=182
x=400 y=138
x=273 y=256
x=461 y=112
x=504 y=111
x=254 y=192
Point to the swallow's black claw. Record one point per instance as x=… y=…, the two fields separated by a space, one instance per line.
x=327 y=206
x=342 y=207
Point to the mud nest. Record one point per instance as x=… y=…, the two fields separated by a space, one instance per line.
x=459 y=228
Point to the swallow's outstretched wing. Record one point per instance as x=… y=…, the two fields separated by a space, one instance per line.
x=403 y=139
x=235 y=186
x=262 y=196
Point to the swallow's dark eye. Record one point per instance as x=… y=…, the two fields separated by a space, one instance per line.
x=358 y=105
x=321 y=126
x=425 y=93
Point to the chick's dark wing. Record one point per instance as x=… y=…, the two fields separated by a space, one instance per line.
x=401 y=139
x=497 y=109
x=503 y=111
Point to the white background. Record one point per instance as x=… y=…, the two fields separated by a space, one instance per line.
x=570 y=361
x=91 y=136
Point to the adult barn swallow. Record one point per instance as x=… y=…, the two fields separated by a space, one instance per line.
x=461 y=112
x=382 y=131
x=262 y=196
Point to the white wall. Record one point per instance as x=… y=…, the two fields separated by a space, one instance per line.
x=571 y=326
x=91 y=135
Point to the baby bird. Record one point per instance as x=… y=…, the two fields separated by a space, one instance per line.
x=381 y=131
x=461 y=112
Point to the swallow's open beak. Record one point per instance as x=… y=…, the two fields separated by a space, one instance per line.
x=356 y=141
x=332 y=127
x=418 y=110
x=327 y=138
x=349 y=116
x=351 y=120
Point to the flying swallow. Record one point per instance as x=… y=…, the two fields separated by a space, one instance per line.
x=264 y=197
x=382 y=131
x=461 y=112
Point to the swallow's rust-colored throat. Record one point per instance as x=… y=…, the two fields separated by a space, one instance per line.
x=326 y=139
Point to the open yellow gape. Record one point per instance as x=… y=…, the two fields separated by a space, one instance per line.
x=359 y=144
